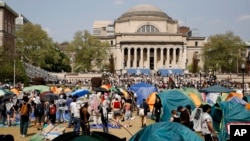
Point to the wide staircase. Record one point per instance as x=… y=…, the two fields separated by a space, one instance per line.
x=33 y=71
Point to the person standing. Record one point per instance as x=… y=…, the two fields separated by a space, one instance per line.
x=144 y=108
x=75 y=111
x=128 y=113
x=61 y=102
x=9 y=111
x=184 y=116
x=207 y=129
x=25 y=110
x=157 y=109
x=68 y=102
x=52 y=112
x=104 y=110
x=84 y=116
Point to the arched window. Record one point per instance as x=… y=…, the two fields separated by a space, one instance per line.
x=147 y=28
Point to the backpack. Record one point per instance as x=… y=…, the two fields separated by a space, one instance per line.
x=197 y=114
x=24 y=109
x=40 y=109
x=52 y=110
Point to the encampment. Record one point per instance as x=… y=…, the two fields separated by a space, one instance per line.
x=167 y=131
x=171 y=99
x=142 y=90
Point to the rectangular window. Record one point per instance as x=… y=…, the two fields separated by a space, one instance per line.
x=196 y=43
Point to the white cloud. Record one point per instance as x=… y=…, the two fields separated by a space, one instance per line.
x=118 y=2
x=243 y=17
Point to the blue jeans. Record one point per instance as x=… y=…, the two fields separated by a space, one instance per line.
x=61 y=115
x=24 y=126
x=105 y=127
x=70 y=120
x=77 y=125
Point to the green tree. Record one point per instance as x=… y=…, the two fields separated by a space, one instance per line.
x=34 y=46
x=89 y=51
x=222 y=52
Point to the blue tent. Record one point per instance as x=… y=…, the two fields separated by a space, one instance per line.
x=233 y=112
x=142 y=90
x=171 y=99
x=165 y=131
x=80 y=92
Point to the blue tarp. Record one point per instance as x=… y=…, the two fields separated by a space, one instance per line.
x=142 y=90
x=166 y=131
x=138 y=71
x=167 y=72
x=171 y=99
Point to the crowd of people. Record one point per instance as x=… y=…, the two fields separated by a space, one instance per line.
x=103 y=108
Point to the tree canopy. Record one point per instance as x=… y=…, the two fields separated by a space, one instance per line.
x=222 y=52
x=34 y=46
x=89 y=52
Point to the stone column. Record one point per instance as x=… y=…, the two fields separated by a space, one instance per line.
x=155 y=59
x=141 y=59
x=128 y=62
x=174 y=58
x=122 y=58
x=161 y=59
x=135 y=58
x=168 y=57
x=148 y=57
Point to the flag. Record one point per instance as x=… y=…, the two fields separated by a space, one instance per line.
x=171 y=83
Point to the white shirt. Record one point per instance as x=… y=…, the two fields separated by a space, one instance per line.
x=204 y=119
x=75 y=109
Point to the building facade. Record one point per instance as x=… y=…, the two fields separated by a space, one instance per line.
x=8 y=20
x=144 y=39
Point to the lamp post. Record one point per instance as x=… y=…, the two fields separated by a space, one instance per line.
x=200 y=78
x=243 y=71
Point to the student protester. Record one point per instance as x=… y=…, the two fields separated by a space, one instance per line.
x=128 y=113
x=143 y=112
x=184 y=116
x=25 y=110
x=207 y=129
x=75 y=112
x=174 y=117
x=104 y=110
x=84 y=116
x=10 y=110
x=52 y=112
x=157 y=110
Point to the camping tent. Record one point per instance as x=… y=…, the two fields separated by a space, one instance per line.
x=211 y=94
x=195 y=95
x=217 y=89
x=171 y=99
x=233 y=113
x=142 y=90
x=151 y=100
x=165 y=131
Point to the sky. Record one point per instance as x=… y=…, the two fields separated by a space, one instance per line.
x=63 y=18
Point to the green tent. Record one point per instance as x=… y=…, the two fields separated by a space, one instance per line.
x=166 y=131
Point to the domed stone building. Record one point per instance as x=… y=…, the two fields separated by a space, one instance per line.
x=146 y=40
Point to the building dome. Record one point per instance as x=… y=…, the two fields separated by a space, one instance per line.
x=144 y=10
